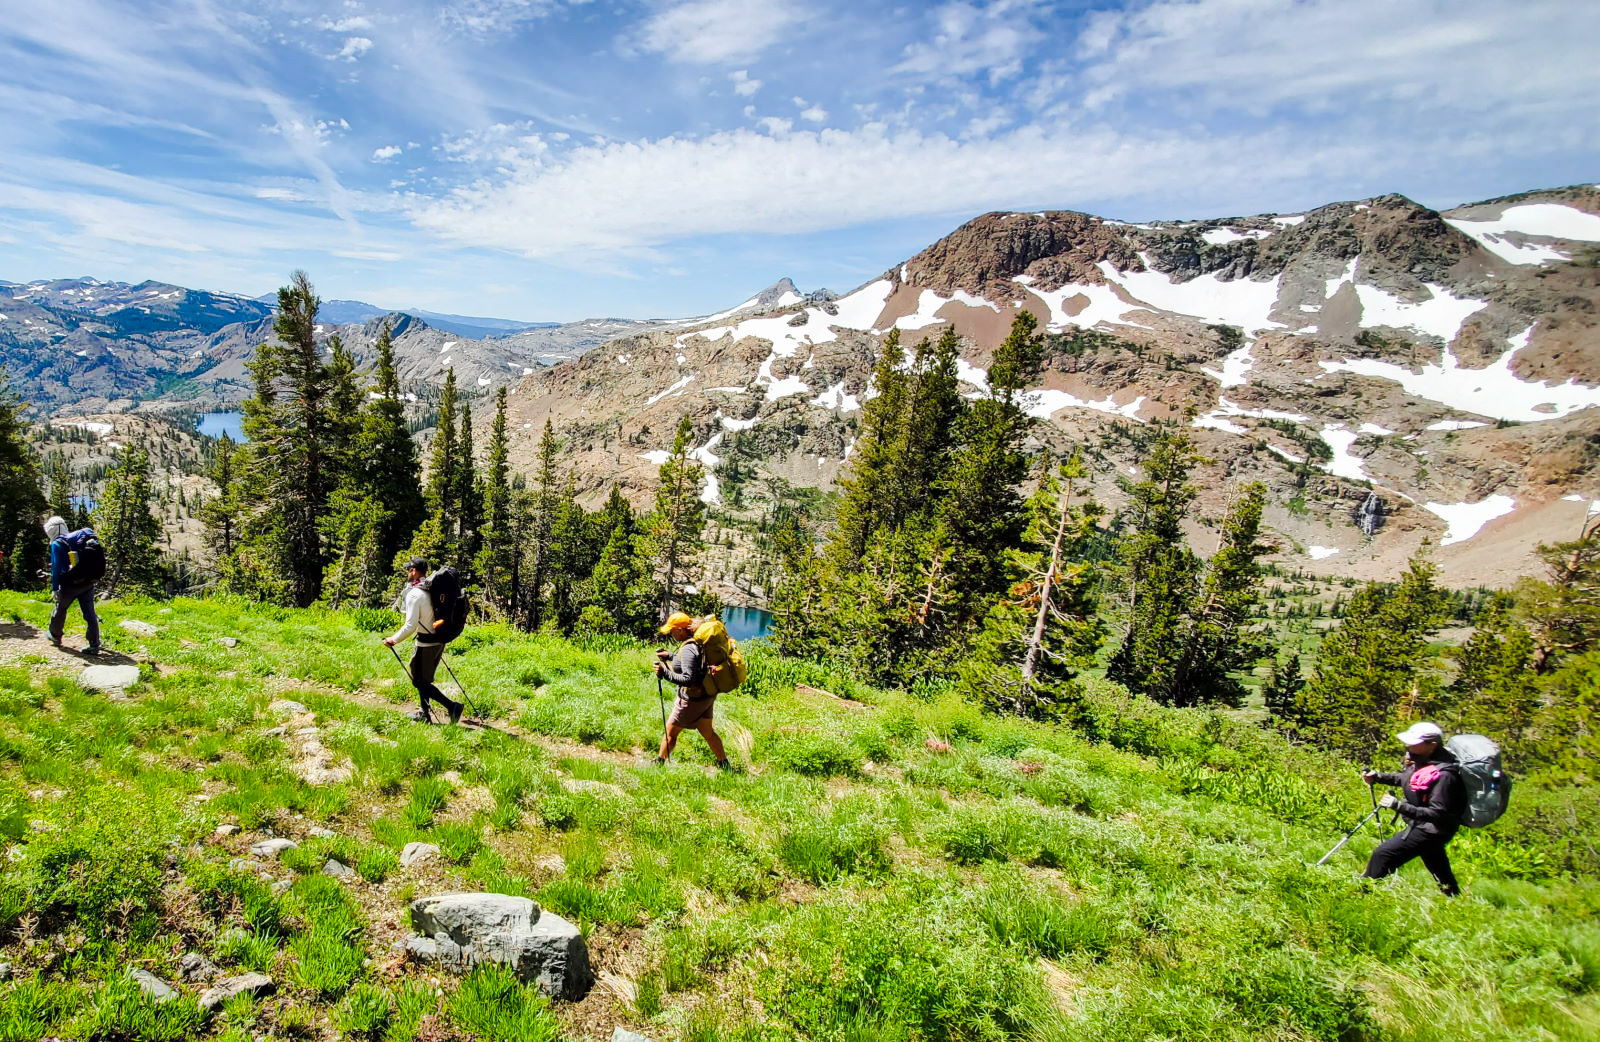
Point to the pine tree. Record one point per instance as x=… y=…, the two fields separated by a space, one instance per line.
x=678 y=521
x=546 y=503
x=1281 y=692
x=386 y=456
x=353 y=529
x=22 y=499
x=1215 y=642
x=1563 y=610
x=294 y=455
x=444 y=462
x=469 y=490
x=127 y=528
x=1159 y=573
x=861 y=506
x=220 y=514
x=1373 y=671
x=498 y=559
x=1037 y=639
x=574 y=551
x=1496 y=690
x=60 y=479
x=621 y=594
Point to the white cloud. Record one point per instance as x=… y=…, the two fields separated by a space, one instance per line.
x=743 y=85
x=776 y=125
x=713 y=32
x=488 y=17
x=814 y=114
x=1332 y=55
x=629 y=197
x=354 y=47
x=354 y=24
x=991 y=38
x=379 y=155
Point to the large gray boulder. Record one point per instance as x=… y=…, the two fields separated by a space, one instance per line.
x=108 y=678
x=460 y=931
x=252 y=984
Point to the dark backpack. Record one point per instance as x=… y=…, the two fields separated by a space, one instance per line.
x=88 y=558
x=449 y=602
x=1488 y=785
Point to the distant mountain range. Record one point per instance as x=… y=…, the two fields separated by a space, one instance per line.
x=92 y=346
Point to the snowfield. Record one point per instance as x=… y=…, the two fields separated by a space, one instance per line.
x=1465 y=520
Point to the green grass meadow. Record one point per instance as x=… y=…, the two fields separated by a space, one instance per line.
x=878 y=866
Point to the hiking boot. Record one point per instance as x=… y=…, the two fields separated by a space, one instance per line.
x=455 y=709
x=55 y=642
x=724 y=765
x=92 y=650
x=660 y=761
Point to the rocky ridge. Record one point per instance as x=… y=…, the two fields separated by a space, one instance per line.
x=1446 y=362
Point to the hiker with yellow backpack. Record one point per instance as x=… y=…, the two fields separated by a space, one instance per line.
x=708 y=663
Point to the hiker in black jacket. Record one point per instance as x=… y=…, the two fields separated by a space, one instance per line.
x=1433 y=802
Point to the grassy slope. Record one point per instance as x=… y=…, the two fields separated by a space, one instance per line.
x=890 y=869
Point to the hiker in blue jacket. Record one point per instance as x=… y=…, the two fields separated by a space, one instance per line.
x=72 y=581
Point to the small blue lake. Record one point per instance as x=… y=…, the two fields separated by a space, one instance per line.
x=746 y=623
x=216 y=424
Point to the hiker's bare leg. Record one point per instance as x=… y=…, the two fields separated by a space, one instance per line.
x=709 y=733
x=670 y=740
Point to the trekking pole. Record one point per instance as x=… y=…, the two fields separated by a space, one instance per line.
x=662 y=698
x=463 y=690
x=403 y=667
x=1353 y=829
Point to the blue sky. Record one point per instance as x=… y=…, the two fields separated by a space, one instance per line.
x=560 y=159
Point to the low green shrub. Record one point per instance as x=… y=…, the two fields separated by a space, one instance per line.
x=850 y=841
x=120 y=1012
x=814 y=753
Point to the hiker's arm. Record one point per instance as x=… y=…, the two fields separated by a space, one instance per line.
x=58 y=564
x=686 y=669
x=413 y=623
x=1444 y=802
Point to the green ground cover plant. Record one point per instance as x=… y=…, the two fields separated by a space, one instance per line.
x=882 y=864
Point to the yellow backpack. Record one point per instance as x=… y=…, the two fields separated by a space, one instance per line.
x=725 y=665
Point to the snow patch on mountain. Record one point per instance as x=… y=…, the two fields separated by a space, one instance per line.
x=1541 y=220
x=1454 y=425
x=1223 y=236
x=1318 y=553
x=1239 y=302
x=836 y=398
x=1044 y=404
x=1465 y=520
x=1491 y=391
x=655 y=456
x=1236 y=366
x=1343 y=464
x=676 y=388
x=1103 y=304
x=1441 y=315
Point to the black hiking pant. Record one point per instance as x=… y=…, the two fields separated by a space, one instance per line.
x=83 y=597
x=425 y=659
x=1408 y=846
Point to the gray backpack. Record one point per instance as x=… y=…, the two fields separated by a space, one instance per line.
x=1488 y=785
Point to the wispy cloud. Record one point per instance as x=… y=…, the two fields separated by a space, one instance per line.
x=713 y=32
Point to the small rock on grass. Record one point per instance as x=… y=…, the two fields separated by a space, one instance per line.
x=417 y=854
x=5 y=971
x=287 y=707
x=143 y=629
x=224 y=830
x=624 y=1035
x=252 y=984
x=272 y=847
x=154 y=987
x=228 y=642
x=463 y=930
x=338 y=869
x=195 y=967
x=318 y=832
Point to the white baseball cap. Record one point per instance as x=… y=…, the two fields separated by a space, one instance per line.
x=56 y=527
x=1421 y=731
